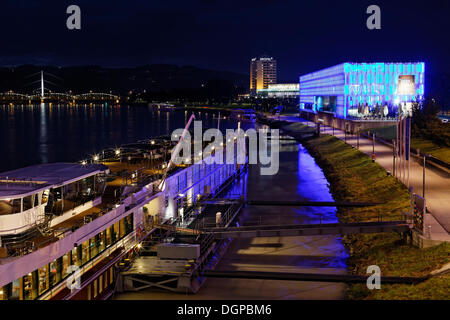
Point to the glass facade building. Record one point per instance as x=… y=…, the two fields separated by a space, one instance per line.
x=345 y=88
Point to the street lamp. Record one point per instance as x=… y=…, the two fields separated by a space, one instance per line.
x=423 y=182
x=373 y=147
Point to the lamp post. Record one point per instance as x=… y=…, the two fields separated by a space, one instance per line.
x=373 y=147
x=423 y=182
x=345 y=131
x=393 y=156
x=357 y=138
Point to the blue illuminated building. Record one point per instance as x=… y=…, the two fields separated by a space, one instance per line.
x=356 y=89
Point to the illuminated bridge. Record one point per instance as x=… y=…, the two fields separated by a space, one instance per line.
x=57 y=97
x=45 y=95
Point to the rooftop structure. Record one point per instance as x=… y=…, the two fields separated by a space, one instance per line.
x=31 y=179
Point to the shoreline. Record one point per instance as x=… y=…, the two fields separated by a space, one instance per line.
x=353 y=177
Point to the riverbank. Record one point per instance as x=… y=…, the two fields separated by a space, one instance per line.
x=353 y=177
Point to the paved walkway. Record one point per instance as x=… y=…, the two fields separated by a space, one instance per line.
x=437 y=192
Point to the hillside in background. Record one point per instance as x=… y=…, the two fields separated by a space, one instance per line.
x=158 y=78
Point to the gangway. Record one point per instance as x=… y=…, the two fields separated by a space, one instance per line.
x=285 y=203
x=325 y=277
x=173 y=228
x=295 y=230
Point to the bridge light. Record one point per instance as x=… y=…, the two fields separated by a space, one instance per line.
x=95 y=158
x=83 y=162
x=153 y=142
x=117 y=152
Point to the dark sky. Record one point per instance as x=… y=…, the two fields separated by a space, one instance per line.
x=302 y=35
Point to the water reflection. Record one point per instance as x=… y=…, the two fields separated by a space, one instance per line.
x=52 y=133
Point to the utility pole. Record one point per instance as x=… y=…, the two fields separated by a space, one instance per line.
x=373 y=147
x=423 y=182
x=393 y=156
x=345 y=131
x=357 y=140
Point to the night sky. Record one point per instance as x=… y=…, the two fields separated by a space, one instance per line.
x=302 y=35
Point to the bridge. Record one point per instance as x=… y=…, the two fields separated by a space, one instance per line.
x=46 y=95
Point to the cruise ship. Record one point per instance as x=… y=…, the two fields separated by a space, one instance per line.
x=66 y=222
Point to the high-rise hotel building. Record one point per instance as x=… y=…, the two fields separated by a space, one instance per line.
x=263 y=71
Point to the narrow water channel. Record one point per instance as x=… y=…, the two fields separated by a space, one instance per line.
x=299 y=178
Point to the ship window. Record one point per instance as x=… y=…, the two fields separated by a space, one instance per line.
x=75 y=256
x=16 y=206
x=108 y=237
x=30 y=286
x=122 y=228
x=129 y=223
x=43 y=279
x=93 y=242
x=115 y=232
x=111 y=275
x=36 y=199
x=66 y=263
x=3 y=295
x=15 y=290
x=55 y=271
x=6 y=207
x=101 y=241
x=27 y=203
x=85 y=252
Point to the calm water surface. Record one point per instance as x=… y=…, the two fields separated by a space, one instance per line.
x=44 y=134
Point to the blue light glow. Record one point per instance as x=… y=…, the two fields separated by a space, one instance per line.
x=361 y=83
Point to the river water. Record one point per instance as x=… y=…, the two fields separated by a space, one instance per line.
x=44 y=134
x=41 y=134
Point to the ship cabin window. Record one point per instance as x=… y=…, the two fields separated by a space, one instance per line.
x=27 y=203
x=55 y=271
x=10 y=206
x=65 y=264
x=75 y=256
x=43 y=279
x=108 y=237
x=30 y=286
x=36 y=200
x=3 y=295
x=85 y=252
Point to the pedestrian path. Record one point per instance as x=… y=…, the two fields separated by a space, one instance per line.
x=437 y=183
